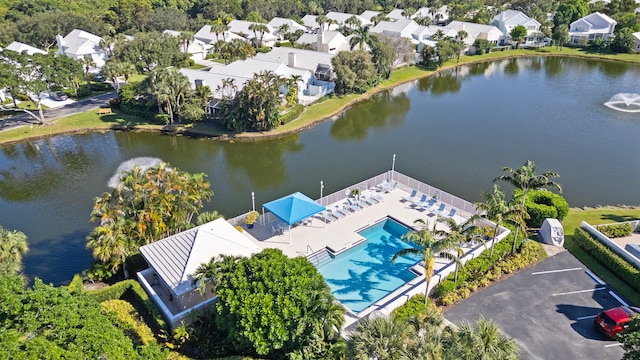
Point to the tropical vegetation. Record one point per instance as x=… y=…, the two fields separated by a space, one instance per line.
x=13 y=245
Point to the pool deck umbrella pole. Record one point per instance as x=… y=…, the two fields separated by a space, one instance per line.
x=293 y=208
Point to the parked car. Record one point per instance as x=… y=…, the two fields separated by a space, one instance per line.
x=614 y=321
x=58 y=96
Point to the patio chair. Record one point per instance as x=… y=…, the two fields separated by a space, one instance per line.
x=351 y=206
x=373 y=195
x=438 y=210
x=411 y=197
x=335 y=213
x=327 y=216
x=384 y=185
x=451 y=213
x=361 y=204
x=390 y=188
x=420 y=203
x=429 y=204
x=341 y=210
x=276 y=230
x=366 y=197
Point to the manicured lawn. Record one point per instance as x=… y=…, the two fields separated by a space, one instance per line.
x=196 y=67
x=596 y=216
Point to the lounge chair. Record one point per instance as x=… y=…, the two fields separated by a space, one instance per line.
x=276 y=230
x=373 y=195
x=429 y=204
x=335 y=213
x=384 y=185
x=366 y=197
x=423 y=200
x=361 y=204
x=341 y=210
x=411 y=197
x=390 y=188
x=438 y=210
x=351 y=206
x=327 y=216
x=451 y=213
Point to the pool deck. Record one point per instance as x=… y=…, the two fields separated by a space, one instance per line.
x=341 y=234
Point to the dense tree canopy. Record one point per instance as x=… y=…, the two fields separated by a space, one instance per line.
x=147 y=206
x=271 y=305
x=354 y=70
x=48 y=322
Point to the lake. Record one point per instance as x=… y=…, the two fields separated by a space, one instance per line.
x=453 y=130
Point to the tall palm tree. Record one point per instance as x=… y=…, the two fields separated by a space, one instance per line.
x=484 y=342
x=458 y=234
x=13 y=244
x=362 y=36
x=378 y=338
x=501 y=212
x=111 y=70
x=525 y=179
x=378 y=18
x=321 y=20
x=429 y=247
x=283 y=30
x=219 y=28
x=87 y=62
x=208 y=274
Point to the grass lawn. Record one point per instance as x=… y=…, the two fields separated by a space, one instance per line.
x=596 y=216
x=196 y=67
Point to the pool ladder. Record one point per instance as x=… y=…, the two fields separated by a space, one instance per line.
x=321 y=257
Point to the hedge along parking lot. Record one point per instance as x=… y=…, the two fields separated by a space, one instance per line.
x=548 y=309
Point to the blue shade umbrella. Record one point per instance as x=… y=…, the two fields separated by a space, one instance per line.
x=293 y=208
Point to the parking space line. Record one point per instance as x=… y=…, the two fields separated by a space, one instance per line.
x=611 y=345
x=618 y=298
x=595 y=278
x=586 y=317
x=554 y=271
x=579 y=291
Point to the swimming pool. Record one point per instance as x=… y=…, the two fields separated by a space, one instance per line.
x=364 y=274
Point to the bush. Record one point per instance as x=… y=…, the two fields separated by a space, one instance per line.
x=162 y=119
x=137 y=330
x=616 y=230
x=189 y=62
x=101 y=87
x=543 y=204
x=413 y=307
x=76 y=286
x=612 y=261
x=292 y=114
x=444 y=287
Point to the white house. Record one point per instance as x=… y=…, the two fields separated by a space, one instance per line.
x=242 y=28
x=331 y=42
x=507 y=20
x=405 y=28
x=174 y=260
x=277 y=23
x=396 y=14
x=437 y=16
x=311 y=23
x=591 y=27
x=79 y=43
x=369 y=14
x=636 y=38
x=341 y=18
x=476 y=31
x=22 y=47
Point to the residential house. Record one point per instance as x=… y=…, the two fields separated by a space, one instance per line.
x=397 y=14
x=192 y=46
x=509 y=19
x=310 y=22
x=341 y=19
x=79 y=44
x=242 y=28
x=591 y=27
x=476 y=31
x=22 y=47
x=369 y=14
x=277 y=23
x=331 y=42
x=636 y=39
x=174 y=260
x=206 y=39
x=437 y=16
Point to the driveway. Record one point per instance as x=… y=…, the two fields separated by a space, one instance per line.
x=548 y=309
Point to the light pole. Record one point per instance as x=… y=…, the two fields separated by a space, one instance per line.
x=253 y=201
x=393 y=166
x=324 y=213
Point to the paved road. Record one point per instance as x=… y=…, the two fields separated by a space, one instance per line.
x=548 y=309
x=91 y=103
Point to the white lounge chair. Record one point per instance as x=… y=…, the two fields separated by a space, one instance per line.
x=276 y=230
x=384 y=185
x=341 y=210
x=390 y=188
x=366 y=197
x=351 y=206
x=420 y=203
x=335 y=213
x=326 y=216
x=412 y=197
x=439 y=210
x=429 y=204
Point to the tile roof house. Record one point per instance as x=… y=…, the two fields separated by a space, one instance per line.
x=590 y=27
x=22 y=47
x=173 y=261
x=509 y=19
x=79 y=43
x=331 y=42
x=242 y=28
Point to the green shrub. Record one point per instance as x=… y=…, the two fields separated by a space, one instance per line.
x=612 y=261
x=22 y=97
x=616 y=230
x=129 y=319
x=189 y=62
x=444 y=287
x=76 y=286
x=450 y=299
x=101 y=86
x=543 y=204
x=292 y=114
x=413 y=307
x=162 y=119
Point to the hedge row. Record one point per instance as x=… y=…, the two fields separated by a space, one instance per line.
x=612 y=261
x=133 y=325
x=292 y=114
x=116 y=291
x=616 y=230
x=449 y=292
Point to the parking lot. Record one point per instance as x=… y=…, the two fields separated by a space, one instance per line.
x=548 y=309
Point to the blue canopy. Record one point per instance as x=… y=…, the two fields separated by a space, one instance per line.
x=293 y=208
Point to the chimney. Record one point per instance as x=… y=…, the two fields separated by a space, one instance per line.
x=320 y=41
x=292 y=59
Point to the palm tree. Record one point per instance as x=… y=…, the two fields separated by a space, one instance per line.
x=408 y=12
x=378 y=18
x=87 y=62
x=362 y=36
x=259 y=28
x=219 y=28
x=210 y=272
x=378 y=338
x=321 y=20
x=13 y=244
x=525 y=179
x=207 y=216
x=499 y=211
x=111 y=70
x=484 y=342
x=429 y=248
x=353 y=21
x=458 y=234
x=126 y=69
x=283 y=30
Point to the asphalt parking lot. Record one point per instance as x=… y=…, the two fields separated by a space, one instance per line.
x=548 y=309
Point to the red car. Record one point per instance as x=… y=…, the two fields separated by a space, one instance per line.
x=616 y=320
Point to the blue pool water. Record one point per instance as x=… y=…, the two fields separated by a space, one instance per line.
x=364 y=274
